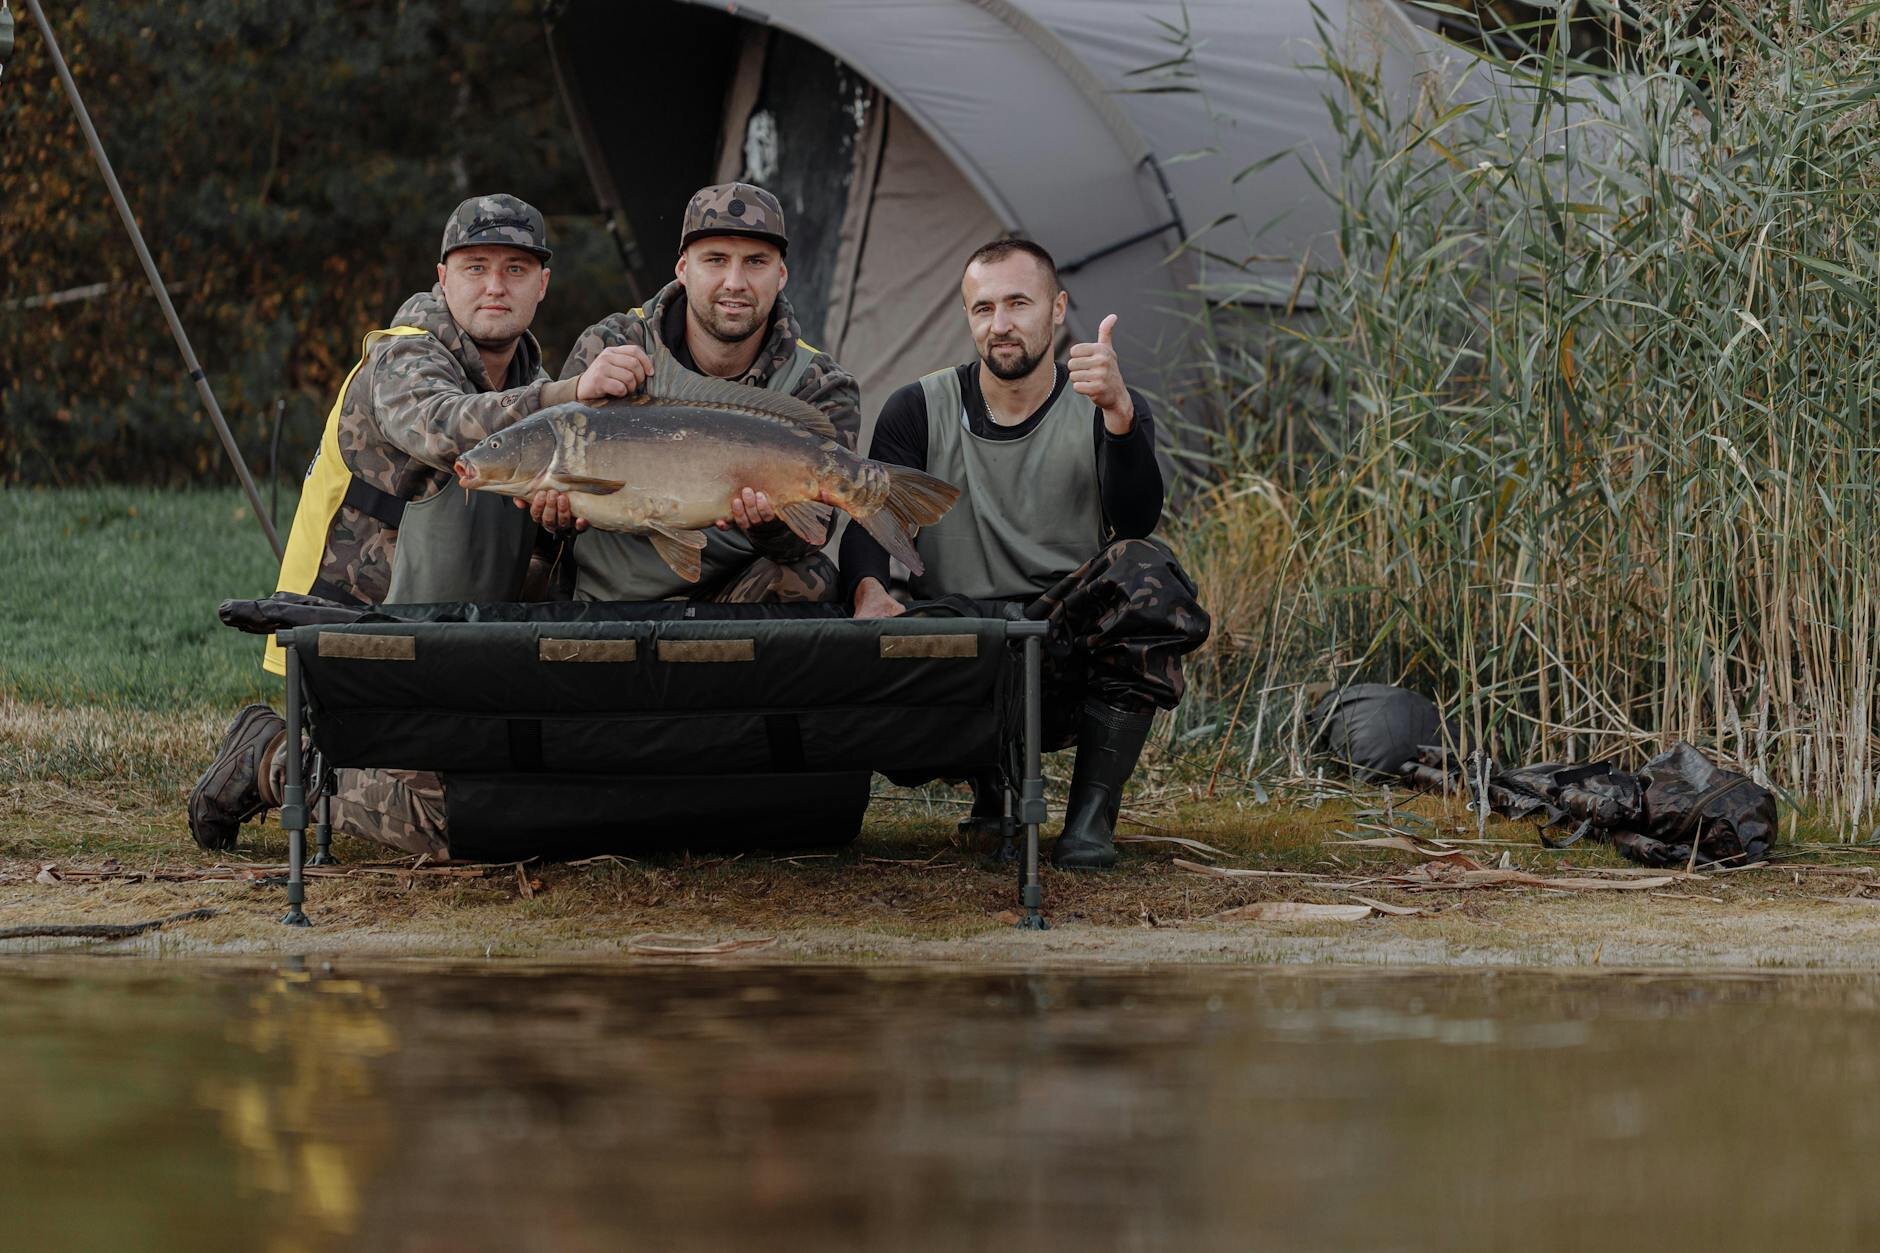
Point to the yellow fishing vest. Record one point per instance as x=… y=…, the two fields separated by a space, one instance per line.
x=328 y=483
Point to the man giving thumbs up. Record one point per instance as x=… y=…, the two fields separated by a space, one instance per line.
x=1061 y=492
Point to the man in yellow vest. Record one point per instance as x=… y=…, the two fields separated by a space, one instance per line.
x=457 y=364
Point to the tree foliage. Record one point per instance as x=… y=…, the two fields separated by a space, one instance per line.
x=291 y=167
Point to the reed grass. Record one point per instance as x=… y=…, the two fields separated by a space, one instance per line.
x=1579 y=433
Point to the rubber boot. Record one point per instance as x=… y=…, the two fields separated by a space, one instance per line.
x=1109 y=740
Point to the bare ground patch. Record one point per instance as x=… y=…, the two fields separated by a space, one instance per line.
x=115 y=850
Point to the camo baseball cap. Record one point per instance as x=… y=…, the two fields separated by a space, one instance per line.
x=734 y=209
x=499 y=219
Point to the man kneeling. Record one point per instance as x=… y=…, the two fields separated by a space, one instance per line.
x=377 y=521
x=1061 y=492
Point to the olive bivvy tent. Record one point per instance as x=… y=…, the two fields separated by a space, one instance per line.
x=901 y=134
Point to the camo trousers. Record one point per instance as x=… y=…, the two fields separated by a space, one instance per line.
x=405 y=809
x=766 y=582
x=1120 y=626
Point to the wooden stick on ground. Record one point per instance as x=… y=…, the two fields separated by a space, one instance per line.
x=101 y=930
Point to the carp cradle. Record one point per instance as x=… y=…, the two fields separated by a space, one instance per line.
x=567 y=730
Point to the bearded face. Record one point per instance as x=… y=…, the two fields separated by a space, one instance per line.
x=731 y=284
x=1014 y=308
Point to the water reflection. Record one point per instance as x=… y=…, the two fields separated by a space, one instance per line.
x=307 y=1120
x=489 y=1107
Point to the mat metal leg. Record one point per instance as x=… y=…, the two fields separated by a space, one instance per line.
x=294 y=792
x=1031 y=811
x=323 y=816
x=1008 y=829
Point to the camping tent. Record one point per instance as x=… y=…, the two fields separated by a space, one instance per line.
x=902 y=133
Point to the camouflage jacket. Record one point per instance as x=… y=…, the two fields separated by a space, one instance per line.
x=826 y=385
x=417 y=402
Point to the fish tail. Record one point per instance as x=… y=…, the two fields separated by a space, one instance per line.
x=915 y=499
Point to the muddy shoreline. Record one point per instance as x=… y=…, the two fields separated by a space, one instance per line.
x=903 y=893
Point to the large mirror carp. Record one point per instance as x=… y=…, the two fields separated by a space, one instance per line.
x=665 y=462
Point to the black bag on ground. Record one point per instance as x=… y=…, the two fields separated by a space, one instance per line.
x=1653 y=815
x=1375 y=729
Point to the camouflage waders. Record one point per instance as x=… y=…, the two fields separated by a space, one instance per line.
x=1120 y=625
x=767 y=582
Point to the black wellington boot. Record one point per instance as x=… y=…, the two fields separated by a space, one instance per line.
x=987 y=820
x=1108 y=742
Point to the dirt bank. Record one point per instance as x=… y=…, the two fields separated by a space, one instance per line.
x=906 y=892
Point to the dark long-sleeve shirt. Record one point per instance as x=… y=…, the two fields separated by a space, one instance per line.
x=1129 y=481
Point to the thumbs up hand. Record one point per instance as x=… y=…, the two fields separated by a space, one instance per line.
x=1096 y=374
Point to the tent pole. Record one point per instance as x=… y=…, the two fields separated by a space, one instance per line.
x=156 y=280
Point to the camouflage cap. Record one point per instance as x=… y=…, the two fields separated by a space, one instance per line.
x=500 y=219
x=734 y=209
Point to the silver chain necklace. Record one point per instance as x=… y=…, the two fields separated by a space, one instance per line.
x=986 y=404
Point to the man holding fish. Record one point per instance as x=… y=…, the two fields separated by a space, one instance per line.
x=713 y=476
x=376 y=521
x=1061 y=492
x=723 y=317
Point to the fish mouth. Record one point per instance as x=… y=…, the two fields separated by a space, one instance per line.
x=466 y=474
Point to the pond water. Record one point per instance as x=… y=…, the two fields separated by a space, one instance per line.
x=197 y=1105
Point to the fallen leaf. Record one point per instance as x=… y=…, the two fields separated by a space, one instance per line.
x=1608 y=885
x=1206 y=850
x=691 y=946
x=1406 y=844
x=1395 y=911
x=1295 y=911
x=1436 y=874
x=1234 y=872
x=1007 y=916
x=1403 y=842
x=48 y=873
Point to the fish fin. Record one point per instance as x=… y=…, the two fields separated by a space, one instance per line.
x=889 y=535
x=680 y=550
x=673 y=382
x=807 y=520
x=589 y=485
x=915 y=499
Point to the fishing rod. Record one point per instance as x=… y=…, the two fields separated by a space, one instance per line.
x=196 y=375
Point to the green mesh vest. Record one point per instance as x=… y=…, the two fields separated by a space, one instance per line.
x=1028 y=512
x=610 y=566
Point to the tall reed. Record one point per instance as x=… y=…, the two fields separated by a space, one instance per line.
x=1579 y=435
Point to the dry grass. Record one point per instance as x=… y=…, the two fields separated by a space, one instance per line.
x=91 y=743
x=1577 y=438
x=905 y=890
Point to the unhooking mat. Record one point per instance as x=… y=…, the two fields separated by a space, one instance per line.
x=565 y=730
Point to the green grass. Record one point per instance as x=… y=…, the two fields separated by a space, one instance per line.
x=108 y=597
